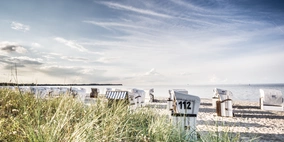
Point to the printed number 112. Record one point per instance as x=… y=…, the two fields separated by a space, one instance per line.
x=185 y=104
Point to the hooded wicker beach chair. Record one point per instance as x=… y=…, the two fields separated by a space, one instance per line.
x=271 y=99
x=222 y=100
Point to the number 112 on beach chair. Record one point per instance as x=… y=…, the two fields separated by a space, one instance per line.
x=183 y=111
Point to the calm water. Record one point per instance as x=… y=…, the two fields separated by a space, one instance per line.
x=240 y=92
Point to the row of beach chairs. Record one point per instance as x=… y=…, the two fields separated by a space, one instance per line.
x=222 y=100
x=136 y=97
x=44 y=92
x=270 y=99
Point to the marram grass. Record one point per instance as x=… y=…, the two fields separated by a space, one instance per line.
x=64 y=119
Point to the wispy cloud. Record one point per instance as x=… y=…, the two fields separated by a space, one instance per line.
x=20 y=26
x=74 y=45
x=21 y=61
x=28 y=60
x=69 y=58
x=190 y=6
x=134 y=9
x=71 y=44
x=112 y=24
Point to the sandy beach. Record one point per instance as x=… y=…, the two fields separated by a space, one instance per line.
x=249 y=121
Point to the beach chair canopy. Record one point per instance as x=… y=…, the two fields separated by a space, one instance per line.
x=183 y=99
x=271 y=96
x=222 y=94
x=117 y=95
x=172 y=92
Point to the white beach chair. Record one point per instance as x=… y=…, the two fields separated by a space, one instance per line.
x=132 y=98
x=183 y=109
x=79 y=93
x=271 y=99
x=24 y=89
x=8 y=87
x=149 y=95
x=222 y=101
x=64 y=90
x=54 y=91
x=39 y=92
x=139 y=96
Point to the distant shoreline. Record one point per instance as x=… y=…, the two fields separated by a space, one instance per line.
x=33 y=84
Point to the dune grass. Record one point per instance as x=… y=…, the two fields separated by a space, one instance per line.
x=66 y=119
x=26 y=118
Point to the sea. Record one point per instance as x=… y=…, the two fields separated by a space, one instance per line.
x=241 y=92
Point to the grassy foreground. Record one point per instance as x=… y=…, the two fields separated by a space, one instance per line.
x=25 y=118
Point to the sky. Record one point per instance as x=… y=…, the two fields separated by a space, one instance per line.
x=142 y=42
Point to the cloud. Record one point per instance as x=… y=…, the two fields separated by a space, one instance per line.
x=150 y=78
x=21 y=61
x=20 y=27
x=113 y=24
x=28 y=60
x=56 y=70
x=69 y=58
x=71 y=44
x=34 y=44
x=10 y=47
x=189 y=6
x=134 y=9
x=152 y=72
x=74 y=45
x=107 y=59
x=214 y=79
x=78 y=74
x=186 y=74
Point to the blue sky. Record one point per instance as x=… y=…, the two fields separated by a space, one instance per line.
x=147 y=42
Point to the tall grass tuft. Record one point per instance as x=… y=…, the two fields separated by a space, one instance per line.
x=221 y=133
x=26 y=118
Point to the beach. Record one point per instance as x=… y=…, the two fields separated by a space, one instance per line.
x=249 y=121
